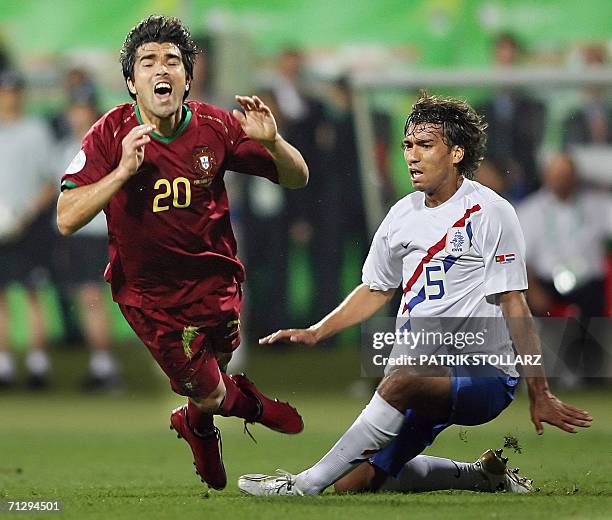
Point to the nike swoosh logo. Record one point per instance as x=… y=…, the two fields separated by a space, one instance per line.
x=405 y=246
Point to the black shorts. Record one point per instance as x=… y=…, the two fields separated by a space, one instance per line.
x=80 y=259
x=28 y=259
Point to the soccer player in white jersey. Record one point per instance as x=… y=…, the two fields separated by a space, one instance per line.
x=456 y=250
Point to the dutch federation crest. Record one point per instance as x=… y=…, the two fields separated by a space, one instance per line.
x=204 y=163
x=457 y=241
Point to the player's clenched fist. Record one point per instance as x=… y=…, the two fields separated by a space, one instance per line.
x=133 y=148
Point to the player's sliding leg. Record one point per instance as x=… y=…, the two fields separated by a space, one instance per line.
x=418 y=431
x=425 y=473
x=478 y=395
x=377 y=425
x=472 y=395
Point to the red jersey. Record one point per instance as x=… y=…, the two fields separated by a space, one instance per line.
x=170 y=237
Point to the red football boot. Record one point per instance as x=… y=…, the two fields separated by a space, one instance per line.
x=207 y=451
x=277 y=416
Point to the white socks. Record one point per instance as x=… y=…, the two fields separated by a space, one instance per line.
x=102 y=364
x=376 y=426
x=7 y=366
x=37 y=362
x=425 y=473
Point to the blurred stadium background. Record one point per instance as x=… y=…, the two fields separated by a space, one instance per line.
x=341 y=77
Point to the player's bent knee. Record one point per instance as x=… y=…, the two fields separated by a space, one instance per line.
x=396 y=388
x=212 y=401
x=363 y=478
x=428 y=391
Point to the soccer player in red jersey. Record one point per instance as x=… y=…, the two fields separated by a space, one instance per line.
x=156 y=168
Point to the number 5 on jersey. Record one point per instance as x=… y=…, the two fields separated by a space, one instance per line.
x=171 y=190
x=435 y=281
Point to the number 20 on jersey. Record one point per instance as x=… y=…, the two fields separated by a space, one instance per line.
x=170 y=194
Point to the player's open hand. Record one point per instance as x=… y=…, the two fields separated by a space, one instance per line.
x=303 y=336
x=545 y=407
x=133 y=148
x=257 y=120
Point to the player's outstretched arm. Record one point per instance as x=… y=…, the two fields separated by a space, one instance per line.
x=358 y=306
x=259 y=124
x=76 y=207
x=544 y=406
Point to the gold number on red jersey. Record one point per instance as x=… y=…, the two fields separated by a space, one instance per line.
x=167 y=190
x=175 y=190
x=163 y=184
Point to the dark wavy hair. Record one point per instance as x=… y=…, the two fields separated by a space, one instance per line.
x=461 y=126
x=158 y=29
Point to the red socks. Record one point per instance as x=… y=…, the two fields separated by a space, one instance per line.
x=200 y=422
x=237 y=403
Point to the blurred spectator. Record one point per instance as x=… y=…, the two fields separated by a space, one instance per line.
x=5 y=60
x=79 y=88
x=491 y=176
x=566 y=228
x=516 y=125
x=80 y=260
x=301 y=117
x=201 y=87
x=266 y=241
x=25 y=232
x=591 y=124
x=340 y=218
x=275 y=216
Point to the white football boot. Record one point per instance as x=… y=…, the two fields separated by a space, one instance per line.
x=281 y=484
x=493 y=466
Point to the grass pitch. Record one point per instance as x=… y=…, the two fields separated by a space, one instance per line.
x=114 y=457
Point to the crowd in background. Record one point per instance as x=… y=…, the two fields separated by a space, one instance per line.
x=567 y=222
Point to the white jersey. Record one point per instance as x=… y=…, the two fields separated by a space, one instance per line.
x=450 y=260
x=26 y=148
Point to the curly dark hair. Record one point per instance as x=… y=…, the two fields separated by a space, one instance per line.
x=158 y=29
x=461 y=126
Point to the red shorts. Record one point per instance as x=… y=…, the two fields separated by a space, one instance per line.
x=184 y=340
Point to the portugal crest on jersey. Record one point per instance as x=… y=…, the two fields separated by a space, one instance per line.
x=457 y=241
x=204 y=163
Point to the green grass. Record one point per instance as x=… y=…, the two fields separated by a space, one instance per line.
x=114 y=457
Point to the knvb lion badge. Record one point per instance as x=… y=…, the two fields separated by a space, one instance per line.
x=204 y=163
x=457 y=241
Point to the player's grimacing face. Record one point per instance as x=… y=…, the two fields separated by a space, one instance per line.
x=430 y=160
x=160 y=79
